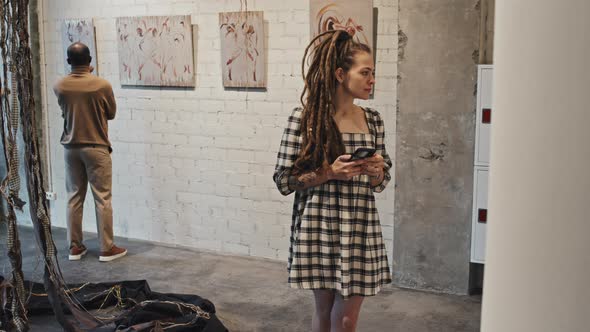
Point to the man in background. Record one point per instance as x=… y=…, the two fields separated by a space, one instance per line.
x=87 y=103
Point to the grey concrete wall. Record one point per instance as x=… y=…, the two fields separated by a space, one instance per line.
x=435 y=143
x=486 y=31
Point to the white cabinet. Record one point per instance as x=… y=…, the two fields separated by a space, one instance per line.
x=484 y=115
x=479 y=216
x=483 y=125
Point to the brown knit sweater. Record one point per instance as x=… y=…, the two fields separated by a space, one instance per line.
x=87 y=103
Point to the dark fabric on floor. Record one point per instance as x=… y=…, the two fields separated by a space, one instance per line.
x=140 y=308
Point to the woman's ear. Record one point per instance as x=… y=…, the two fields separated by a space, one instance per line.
x=340 y=75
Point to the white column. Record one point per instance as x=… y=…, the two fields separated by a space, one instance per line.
x=537 y=274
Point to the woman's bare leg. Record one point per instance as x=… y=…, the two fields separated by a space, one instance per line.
x=324 y=300
x=345 y=313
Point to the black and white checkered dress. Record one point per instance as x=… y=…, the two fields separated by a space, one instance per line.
x=336 y=240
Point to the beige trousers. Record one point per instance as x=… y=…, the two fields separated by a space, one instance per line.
x=89 y=164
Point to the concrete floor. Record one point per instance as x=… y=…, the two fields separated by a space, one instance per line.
x=250 y=294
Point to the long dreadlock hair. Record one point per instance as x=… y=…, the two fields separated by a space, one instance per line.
x=322 y=141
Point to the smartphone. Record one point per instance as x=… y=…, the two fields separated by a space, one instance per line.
x=362 y=153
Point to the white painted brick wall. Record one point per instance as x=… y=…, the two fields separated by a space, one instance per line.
x=193 y=167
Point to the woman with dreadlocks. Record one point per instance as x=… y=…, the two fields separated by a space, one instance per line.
x=337 y=248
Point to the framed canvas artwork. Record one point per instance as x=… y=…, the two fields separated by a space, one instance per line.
x=156 y=51
x=78 y=30
x=354 y=16
x=242 y=49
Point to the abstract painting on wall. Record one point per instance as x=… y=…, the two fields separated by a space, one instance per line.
x=354 y=16
x=156 y=51
x=78 y=30
x=242 y=49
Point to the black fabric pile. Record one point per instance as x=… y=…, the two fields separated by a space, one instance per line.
x=136 y=307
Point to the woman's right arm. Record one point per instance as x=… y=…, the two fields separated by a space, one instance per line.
x=309 y=179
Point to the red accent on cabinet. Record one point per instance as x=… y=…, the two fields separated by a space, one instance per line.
x=482 y=215
x=486 y=115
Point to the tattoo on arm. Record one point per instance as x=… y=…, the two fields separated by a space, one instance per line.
x=309 y=177
x=294 y=183
x=303 y=181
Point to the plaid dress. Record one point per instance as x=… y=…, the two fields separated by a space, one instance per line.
x=336 y=240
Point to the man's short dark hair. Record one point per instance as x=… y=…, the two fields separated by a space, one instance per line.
x=79 y=54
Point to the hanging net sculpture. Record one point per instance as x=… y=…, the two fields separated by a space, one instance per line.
x=132 y=305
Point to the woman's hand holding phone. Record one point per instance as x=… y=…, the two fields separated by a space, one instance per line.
x=344 y=169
